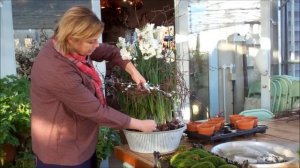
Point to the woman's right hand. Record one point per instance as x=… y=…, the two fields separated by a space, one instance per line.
x=142 y=125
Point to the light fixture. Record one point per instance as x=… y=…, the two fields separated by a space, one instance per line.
x=262 y=62
x=195 y=109
x=136 y=3
x=262 y=59
x=104 y=4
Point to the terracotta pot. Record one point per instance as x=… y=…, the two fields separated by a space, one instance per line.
x=10 y=153
x=234 y=117
x=245 y=124
x=221 y=119
x=206 y=129
x=192 y=126
x=217 y=124
x=253 y=118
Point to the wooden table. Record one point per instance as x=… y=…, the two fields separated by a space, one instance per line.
x=282 y=132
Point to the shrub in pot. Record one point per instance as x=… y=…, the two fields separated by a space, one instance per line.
x=14 y=113
x=107 y=139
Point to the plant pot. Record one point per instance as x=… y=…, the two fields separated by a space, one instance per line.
x=253 y=118
x=192 y=126
x=233 y=118
x=217 y=124
x=245 y=124
x=206 y=129
x=148 y=142
x=10 y=153
x=220 y=119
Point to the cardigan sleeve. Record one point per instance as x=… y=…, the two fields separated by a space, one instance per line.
x=79 y=99
x=110 y=53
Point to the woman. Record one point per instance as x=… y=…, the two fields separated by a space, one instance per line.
x=68 y=105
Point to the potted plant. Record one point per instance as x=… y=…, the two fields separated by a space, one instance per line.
x=156 y=61
x=14 y=116
x=107 y=139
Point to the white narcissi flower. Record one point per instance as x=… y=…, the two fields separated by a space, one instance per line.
x=151 y=52
x=121 y=42
x=146 y=57
x=149 y=28
x=125 y=54
x=148 y=42
x=159 y=53
x=160 y=32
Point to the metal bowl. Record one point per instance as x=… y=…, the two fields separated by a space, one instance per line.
x=254 y=151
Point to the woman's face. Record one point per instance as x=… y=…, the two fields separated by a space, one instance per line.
x=84 y=47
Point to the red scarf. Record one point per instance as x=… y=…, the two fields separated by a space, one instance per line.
x=88 y=68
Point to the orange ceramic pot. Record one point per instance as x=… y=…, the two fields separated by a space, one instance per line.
x=245 y=124
x=234 y=117
x=220 y=119
x=253 y=118
x=217 y=124
x=206 y=129
x=192 y=126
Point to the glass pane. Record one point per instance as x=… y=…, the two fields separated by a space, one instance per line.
x=223 y=41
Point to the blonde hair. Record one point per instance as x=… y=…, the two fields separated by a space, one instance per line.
x=78 y=22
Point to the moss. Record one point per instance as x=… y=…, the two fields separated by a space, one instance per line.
x=202 y=153
x=217 y=161
x=179 y=156
x=228 y=166
x=184 y=163
x=195 y=156
x=206 y=164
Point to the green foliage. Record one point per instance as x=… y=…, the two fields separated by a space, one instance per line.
x=24 y=159
x=107 y=139
x=14 y=107
x=228 y=166
x=153 y=105
x=14 y=111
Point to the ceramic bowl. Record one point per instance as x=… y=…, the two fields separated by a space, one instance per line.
x=206 y=129
x=245 y=124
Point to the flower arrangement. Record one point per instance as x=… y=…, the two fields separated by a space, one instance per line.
x=156 y=61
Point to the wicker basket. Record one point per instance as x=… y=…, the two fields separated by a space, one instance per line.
x=163 y=141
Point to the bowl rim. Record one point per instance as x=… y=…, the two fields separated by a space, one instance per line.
x=235 y=144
